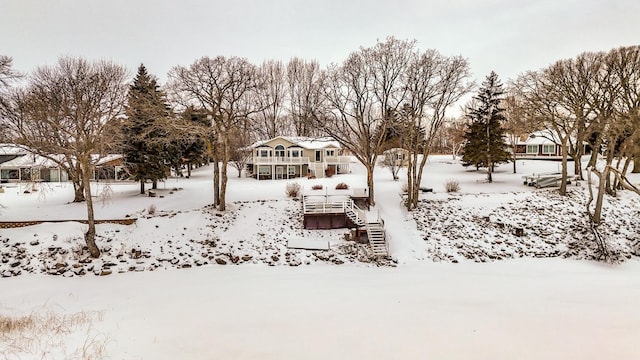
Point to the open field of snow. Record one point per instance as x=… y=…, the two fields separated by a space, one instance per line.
x=171 y=287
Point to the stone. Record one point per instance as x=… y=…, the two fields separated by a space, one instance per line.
x=220 y=261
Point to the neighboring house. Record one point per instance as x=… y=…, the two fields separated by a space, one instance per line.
x=111 y=167
x=541 y=144
x=399 y=156
x=286 y=157
x=20 y=165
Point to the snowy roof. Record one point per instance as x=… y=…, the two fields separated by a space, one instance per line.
x=305 y=142
x=11 y=149
x=29 y=160
x=543 y=137
x=107 y=158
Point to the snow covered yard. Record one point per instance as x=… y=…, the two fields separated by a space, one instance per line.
x=292 y=303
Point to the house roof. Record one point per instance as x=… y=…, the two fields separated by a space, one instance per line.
x=20 y=157
x=11 y=149
x=305 y=142
x=30 y=160
x=543 y=137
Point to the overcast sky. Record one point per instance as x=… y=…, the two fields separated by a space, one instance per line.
x=507 y=36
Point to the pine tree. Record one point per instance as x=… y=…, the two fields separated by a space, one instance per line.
x=146 y=145
x=484 y=138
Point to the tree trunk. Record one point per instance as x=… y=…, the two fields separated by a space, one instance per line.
x=223 y=183
x=577 y=165
x=594 y=152
x=189 y=165
x=154 y=185
x=76 y=180
x=141 y=187
x=565 y=157
x=597 y=212
x=90 y=235
x=370 y=169
x=78 y=192
x=636 y=164
x=216 y=182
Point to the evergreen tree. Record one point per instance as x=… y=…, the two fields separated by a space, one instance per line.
x=146 y=144
x=484 y=138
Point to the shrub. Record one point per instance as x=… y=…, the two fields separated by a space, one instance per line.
x=342 y=186
x=152 y=209
x=405 y=188
x=452 y=185
x=330 y=171
x=316 y=187
x=293 y=189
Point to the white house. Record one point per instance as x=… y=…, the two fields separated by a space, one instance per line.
x=286 y=157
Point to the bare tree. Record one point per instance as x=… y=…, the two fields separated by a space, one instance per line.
x=362 y=96
x=240 y=146
x=65 y=113
x=306 y=81
x=270 y=96
x=434 y=83
x=543 y=104
x=516 y=124
x=394 y=160
x=223 y=87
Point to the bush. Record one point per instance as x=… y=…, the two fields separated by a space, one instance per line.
x=316 y=187
x=330 y=171
x=293 y=189
x=405 y=188
x=452 y=185
x=152 y=209
x=342 y=186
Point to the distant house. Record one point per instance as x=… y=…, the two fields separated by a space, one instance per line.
x=285 y=157
x=399 y=156
x=111 y=167
x=541 y=144
x=20 y=165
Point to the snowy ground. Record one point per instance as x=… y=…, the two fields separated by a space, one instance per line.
x=304 y=305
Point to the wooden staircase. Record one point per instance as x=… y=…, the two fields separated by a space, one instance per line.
x=375 y=230
x=377 y=238
x=355 y=219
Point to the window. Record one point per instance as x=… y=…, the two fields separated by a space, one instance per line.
x=532 y=149
x=279 y=151
x=295 y=153
x=264 y=153
x=331 y=153
x=549 y=149
x=264 y=170
x=291 y=170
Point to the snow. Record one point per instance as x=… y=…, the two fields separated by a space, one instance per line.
x=165 y=294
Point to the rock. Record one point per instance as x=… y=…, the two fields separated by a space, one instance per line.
x=15 y=264
x=247 y=258
x=60 y=265
x=105 y=272
x=275 y=258
x=220 y=261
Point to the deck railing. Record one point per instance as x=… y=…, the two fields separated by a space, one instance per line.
x=332 y=160
x=280 y=160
